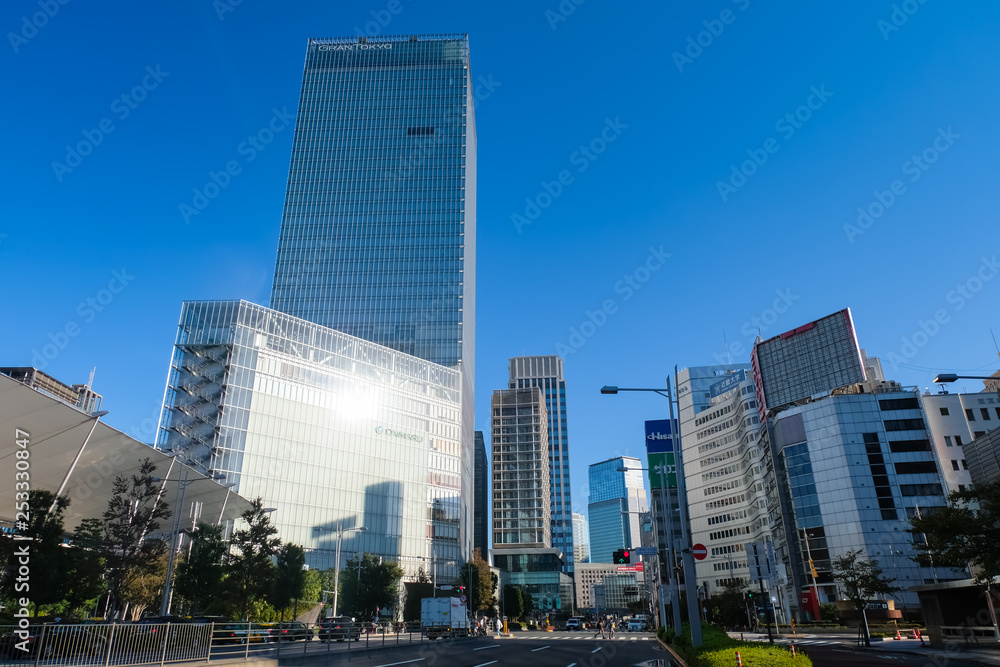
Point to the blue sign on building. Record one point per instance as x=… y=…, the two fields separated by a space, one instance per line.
x=730 y=382
x=658 y=438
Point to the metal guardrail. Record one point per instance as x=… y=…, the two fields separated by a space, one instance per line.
x=119 y=644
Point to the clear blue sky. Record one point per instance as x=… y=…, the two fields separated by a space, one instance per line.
x=865 y=90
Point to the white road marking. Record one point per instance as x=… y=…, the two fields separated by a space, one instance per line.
x=542 y=648
x=483 y=664
x=482 y=647
x=597 y=649
x=401 y=663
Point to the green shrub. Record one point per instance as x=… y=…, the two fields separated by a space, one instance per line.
x=753 y=656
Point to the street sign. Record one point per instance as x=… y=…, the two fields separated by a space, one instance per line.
x=699 y=551
x=445 y=587
x=462 y=599
x=644 y=551
x=630 y=568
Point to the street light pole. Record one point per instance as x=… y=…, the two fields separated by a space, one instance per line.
x=336 y=572
x=812 y=568
x=694 y=614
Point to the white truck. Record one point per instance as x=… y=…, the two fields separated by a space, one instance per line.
x=444 y=617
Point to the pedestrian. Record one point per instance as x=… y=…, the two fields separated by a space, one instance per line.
x=612 y=628
x=499 y=626
x=600 y=629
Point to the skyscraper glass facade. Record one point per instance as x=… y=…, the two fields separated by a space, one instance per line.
x=546 y=373
x=329 y=429
x=481 y=515
x=617 y=499
x=378 y=231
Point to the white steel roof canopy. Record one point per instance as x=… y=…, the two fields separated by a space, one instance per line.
x=55 y=433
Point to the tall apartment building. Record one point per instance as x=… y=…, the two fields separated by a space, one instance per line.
x=378 y=230
x=521 y=503
x=617 y=499
x=481 y=512
x=546 y=373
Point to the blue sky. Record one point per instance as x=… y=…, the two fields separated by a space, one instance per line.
x=738 y=138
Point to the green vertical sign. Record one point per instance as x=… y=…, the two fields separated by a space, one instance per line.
x=661 y=465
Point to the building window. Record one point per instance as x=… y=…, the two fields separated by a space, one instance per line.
x=947 y=440
x=958 y=440
x=976 y=434
x=944 y=411
x=968 y=415
x=904 y=424
x=915 y=468
x=985 y=412
x=961 y=487
x=899 y=446
x=899 y=404
x=910 y=490
x=965 y=466
x=954 y=464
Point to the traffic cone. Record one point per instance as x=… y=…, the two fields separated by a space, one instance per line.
x=739 y=660
x=898 y=636
x=793 y=650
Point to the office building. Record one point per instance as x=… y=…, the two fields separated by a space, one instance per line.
x=728 y=508
x=546 y=373
x=80 y=396
x=617 y=498
x=602 y=585
x=378 y=230
x=333 y=431
x=581 y=539
x=481 y=503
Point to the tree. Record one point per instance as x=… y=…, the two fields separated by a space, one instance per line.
x=513 y=601
x=729 y=608
x=312 y=587
x=201 y=576
x=370 y=583
x=86 y=568
x=415 y=592
x=527 y=602
x=250 y=571
x=145 y=589
x=289 y=577
x=38 y=544
x=964 y=532
x=862 y=580
x=480 y=583
x=134 y=512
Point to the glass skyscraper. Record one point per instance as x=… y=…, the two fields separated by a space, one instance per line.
x=546 y=373
x=617 y=498
x=378 y=231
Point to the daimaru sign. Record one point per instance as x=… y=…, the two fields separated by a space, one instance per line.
x=383 y=430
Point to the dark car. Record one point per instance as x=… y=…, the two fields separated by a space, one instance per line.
x=338 y=629
x=290 y=631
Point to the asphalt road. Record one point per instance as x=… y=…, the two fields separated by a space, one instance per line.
x=521 y=650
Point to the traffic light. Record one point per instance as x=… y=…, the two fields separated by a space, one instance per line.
x=622 y=557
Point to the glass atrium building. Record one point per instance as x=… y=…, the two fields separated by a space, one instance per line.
x=329 y=429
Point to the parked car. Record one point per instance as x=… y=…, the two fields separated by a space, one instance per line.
x=338 y=629
x=573 y=624
x=289 y=631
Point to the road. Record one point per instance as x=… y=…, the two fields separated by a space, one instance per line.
x=521 y=649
